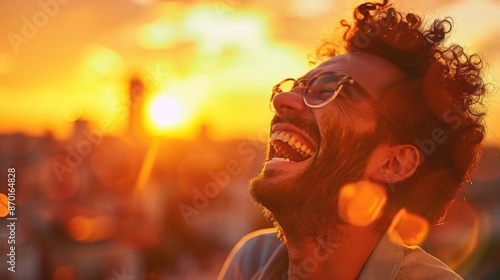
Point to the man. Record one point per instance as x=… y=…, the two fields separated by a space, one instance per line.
x=390 y=126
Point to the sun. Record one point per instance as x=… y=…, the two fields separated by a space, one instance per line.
x=165 y=111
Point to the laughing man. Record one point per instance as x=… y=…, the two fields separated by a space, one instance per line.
x=389 y=107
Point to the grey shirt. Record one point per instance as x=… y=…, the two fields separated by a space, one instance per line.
x=260 y=255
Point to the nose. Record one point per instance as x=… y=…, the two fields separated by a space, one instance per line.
x=289 y=104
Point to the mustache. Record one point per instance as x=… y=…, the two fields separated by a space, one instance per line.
x=310 y=127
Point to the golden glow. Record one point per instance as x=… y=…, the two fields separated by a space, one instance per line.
x=245 y=49
x=228 y=57
x=165 y=111
x=410 y=227
x=361 y=203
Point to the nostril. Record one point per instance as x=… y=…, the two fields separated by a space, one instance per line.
x=289 y=103
x=285 y=107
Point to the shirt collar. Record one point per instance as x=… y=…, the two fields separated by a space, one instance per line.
x=384 y=262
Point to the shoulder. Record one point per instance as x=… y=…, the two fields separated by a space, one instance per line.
x=250 y=254
x=418 y=264
x=392 y=259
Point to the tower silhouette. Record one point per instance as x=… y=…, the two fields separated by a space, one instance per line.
x=137 y=96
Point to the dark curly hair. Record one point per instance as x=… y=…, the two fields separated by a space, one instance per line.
x=439 y=104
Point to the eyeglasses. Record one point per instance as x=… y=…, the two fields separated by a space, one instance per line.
x=324 y=88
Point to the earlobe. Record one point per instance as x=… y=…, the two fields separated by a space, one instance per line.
x=400 y=164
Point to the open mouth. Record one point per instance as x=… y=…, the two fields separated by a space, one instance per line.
x=290 y=145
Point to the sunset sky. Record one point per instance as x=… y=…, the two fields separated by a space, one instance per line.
x=69 y=59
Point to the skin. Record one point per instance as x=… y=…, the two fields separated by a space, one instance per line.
x=386 y=164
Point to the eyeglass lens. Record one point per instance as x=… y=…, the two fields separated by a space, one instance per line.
x=322 y=89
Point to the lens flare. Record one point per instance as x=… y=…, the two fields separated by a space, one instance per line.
x=361 y=203
x=411 y=228
x=4 y=205
x=80 y=228
x=89 y=229
x=461 y=240
x=64 y=272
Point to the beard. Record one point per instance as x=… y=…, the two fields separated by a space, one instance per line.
x=307 y=204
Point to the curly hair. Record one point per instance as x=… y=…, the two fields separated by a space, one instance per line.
x=439 y=104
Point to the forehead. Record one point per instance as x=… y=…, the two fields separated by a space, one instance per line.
x=370 y=71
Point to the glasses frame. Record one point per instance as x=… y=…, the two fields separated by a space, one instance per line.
x=344 y=80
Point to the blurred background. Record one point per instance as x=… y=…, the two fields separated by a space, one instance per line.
x=134 y=126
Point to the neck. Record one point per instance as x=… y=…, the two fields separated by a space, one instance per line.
x=340 y=256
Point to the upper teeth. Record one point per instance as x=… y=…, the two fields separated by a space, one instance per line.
x=292 y=142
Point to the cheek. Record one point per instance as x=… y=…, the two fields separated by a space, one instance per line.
x=333 y=122
x=335 y=127
x=332 y=128
x=328 y=119
x=358 y=117
x=353 y=122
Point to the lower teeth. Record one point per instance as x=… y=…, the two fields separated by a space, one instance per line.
x=281 y=159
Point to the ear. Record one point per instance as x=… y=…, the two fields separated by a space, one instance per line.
x=399 y=163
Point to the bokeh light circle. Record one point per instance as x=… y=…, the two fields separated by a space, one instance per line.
x=361 y=203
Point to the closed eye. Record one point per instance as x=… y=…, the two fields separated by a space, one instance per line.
x=327 y=90
x=322 y=94
x=351 y=94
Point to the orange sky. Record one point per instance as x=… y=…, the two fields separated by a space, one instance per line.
x=218 y=59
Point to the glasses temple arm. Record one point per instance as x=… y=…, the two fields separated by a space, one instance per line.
x=370 y=99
